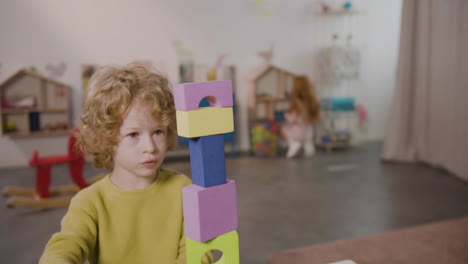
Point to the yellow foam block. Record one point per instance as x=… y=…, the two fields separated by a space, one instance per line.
x=227 y=243
x=205 y=121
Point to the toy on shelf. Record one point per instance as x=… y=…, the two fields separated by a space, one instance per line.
x=362 y=114
x=212 y=73
x=42 y=196
x=347 y=5
x=338 y=103
x=57 y=126
x=186 y=65
x=266 y=8
x=325 y=8
x=267 y=55
x=10 y=127
x=328 y=8
x=330 y=140
x=87 y=71
x=210 y=203
x=5 y=103
x=265 y=138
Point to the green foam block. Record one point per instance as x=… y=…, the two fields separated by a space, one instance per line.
x=227 y=243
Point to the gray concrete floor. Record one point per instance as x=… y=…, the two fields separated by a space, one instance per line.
x=283 y=203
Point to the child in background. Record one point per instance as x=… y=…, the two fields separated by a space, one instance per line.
x=134 y=214
x=304 y=111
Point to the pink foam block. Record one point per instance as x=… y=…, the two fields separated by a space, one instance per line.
x=187 y=96
x=209 y=212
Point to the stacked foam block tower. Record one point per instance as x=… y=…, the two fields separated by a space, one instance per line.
x=210 y=203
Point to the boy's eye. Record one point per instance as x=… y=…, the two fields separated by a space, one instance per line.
x=158 y=132
x=133 y=134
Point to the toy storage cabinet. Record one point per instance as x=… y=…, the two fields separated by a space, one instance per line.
x=339 y=49
x=51 y=106
x=270 y=93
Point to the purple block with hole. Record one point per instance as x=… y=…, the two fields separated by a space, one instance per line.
x=209 y=212
x=187 y=96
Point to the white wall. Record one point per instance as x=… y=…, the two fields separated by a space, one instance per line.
x=102 y=32
x=380 y=65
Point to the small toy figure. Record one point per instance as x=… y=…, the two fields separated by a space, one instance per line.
x=211 y=75
x=10 y=127
x=267 y=55
x=325 y=8
x=348 y=5
x=304 y=111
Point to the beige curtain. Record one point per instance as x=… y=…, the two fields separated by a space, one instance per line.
x=429 y=119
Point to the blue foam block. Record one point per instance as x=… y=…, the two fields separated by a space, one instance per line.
x=207 y=160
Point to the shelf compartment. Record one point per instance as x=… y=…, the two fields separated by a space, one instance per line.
x=28 y=110
x=37 y=134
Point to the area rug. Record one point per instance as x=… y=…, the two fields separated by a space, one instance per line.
x=437 y=243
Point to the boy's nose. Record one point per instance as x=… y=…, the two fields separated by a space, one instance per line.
x=149 y=145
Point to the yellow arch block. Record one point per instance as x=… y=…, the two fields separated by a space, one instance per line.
x=227 y=243
x=205 y=121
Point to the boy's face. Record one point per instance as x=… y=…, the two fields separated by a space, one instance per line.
x=142 y=143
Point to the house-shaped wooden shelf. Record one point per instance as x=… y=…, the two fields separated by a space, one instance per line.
x=270 y=89
x=33 y=105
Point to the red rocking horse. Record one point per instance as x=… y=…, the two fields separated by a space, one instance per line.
x=42 y=193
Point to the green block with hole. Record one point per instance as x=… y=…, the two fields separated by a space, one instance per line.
x=227 y=243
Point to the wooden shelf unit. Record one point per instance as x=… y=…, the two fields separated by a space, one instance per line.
x=39 y=134
x=271 y=86
x=29 y=110
x=50 y=108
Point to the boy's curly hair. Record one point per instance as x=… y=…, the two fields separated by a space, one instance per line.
x=111 y=92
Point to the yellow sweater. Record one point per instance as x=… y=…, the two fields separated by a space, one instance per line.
x=108 y=225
